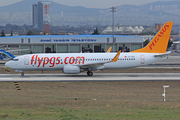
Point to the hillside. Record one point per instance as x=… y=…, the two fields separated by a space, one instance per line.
x=155 y=12
x=26 y=6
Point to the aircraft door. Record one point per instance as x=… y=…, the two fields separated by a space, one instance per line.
x=26 y=60
x=142 y=59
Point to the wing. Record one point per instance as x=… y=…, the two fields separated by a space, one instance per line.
x=100 y=65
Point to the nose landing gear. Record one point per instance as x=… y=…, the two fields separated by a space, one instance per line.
x=22 y=74
x=20 y=71
x=89 y=73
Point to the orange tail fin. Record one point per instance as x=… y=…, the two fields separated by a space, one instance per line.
x=159 y=43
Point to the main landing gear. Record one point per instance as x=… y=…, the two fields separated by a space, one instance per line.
x=89 y=73
x=22 y=74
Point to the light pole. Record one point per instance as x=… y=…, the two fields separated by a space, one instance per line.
x=113 y=9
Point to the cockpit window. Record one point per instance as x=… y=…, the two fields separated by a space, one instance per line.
x=15 y=59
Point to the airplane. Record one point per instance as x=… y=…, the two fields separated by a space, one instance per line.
x=75 y=63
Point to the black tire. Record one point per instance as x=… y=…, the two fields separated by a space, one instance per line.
x=22 y=74
x=89 y=73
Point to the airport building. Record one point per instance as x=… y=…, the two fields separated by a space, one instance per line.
x=70 y=43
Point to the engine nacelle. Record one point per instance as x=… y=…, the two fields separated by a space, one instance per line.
x=69 y=69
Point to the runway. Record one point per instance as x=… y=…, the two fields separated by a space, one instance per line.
x=96 y=77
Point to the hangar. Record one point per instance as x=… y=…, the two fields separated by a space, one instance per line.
x=70 y=43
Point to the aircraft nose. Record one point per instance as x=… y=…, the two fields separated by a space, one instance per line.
x=7 y=64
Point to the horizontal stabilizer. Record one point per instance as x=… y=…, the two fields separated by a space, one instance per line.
x=162 y=54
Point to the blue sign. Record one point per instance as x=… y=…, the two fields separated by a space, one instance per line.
x=83 y=40
x=61 y=40
x=48 y=40
x=68 y=40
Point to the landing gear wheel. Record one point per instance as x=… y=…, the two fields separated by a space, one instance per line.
x=22 y=74
x=89 y=73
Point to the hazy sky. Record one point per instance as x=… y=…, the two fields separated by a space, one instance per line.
x=90 y=3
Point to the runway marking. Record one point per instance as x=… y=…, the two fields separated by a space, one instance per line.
x=4 y=74
x=5 y=78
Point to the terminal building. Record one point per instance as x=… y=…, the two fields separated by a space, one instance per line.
x=70 y=43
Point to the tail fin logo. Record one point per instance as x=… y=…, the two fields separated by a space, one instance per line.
x=160 y=34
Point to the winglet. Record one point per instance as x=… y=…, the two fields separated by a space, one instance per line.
x=116 y=57
x=109 y=50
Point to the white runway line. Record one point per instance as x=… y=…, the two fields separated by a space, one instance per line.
x=4 y=74
x=5 y=78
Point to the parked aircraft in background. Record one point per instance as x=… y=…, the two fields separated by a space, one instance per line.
x=74 y=63
x=5 y=54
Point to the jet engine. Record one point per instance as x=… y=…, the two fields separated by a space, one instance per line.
x=69 y=69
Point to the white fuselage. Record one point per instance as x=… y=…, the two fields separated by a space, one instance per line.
x=57 y=61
